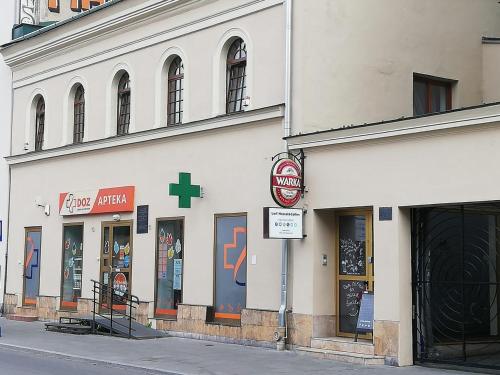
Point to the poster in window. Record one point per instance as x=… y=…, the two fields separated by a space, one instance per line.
x=72 y=266
x=230 y=266
x=170 y=249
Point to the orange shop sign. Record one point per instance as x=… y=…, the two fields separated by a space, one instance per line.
x=100 y=201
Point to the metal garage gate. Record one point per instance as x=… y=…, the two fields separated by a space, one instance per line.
x=455 y=255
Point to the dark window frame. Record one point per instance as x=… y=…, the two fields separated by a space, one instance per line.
x=236 y=76
x=429 y=83
x=39 y=124
x=79 y=115
x=123 y=105
x=175 y=96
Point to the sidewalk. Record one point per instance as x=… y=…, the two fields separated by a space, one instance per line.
x=184 y=356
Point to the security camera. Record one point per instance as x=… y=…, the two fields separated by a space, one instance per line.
x=116 y=217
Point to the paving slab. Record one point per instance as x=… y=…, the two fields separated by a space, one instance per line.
x=185 y=356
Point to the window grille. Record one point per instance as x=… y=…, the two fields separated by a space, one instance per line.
x=123 y=105
x=40 y=124
x=236 y=76
x=175 y=92
x=79 y=115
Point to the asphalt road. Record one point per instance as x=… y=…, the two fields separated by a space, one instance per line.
x=20 y=362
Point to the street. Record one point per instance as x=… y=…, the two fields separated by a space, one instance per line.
x=27 y=348
x=22 y=362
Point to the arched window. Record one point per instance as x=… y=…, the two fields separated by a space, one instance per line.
x=79 y=115
x=39 y=124
x=123 y=105
x=236 y=76
x=175 y=92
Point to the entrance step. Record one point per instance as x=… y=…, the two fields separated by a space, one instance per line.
x=354 y=358
x=342 y=344
x=22 y=318
x=74 y=328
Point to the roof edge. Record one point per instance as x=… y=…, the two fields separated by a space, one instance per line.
x=399 y=119
x=60 y=23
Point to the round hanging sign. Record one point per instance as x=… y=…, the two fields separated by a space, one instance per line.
x=286 y=182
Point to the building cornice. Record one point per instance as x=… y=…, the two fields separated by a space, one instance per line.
x=227 y=121
x=66 y=37
x=457 y=121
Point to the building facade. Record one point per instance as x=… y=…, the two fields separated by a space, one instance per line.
x=143 y=139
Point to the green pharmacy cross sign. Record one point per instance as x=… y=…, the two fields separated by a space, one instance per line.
x=184 y=190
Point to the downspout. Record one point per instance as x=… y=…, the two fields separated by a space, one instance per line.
x=8 y=195
x=282 y=319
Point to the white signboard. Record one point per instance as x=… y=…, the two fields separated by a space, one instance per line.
x=285 y=223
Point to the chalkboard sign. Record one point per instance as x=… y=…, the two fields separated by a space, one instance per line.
x=142 y=219
x=352 y=245
x=349 y=293
x=365 y=317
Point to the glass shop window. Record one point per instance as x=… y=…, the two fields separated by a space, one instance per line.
x=169 y=266
x=71 y=286
x=230 y=267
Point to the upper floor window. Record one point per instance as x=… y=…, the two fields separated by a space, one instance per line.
x=236 y=76
x=175 y=92
x=123 y=105
x=39 y=124
x=430 y=95
x=79 y=115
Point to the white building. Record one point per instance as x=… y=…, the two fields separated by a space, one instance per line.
x=388 y=103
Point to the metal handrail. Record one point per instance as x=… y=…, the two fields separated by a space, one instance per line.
x=100 y=290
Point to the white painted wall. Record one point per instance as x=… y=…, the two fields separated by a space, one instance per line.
x=354 y=61
x=6 y=20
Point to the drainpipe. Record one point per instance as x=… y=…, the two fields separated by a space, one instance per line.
x=282 y=333
x=8 y=195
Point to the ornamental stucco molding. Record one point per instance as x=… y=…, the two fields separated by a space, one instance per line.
x=24 y=53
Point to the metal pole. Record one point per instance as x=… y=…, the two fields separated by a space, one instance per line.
x=283 y=306
x=110 y=303
x=93 y=314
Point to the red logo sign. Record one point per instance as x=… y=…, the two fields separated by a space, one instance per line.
x=286 y=182
x=118 y=199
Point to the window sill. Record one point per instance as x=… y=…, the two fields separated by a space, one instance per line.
x=239 y=119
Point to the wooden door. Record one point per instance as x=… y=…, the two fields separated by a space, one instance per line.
x=355 y=266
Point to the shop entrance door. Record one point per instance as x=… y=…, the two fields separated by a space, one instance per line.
x=116 y=264
x=32 y=253
x=355 y=267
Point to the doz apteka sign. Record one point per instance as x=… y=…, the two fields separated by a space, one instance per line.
x=108 y=200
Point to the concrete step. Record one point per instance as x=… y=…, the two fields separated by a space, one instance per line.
x=342 y=344
x=22 y=318
x=354 y=358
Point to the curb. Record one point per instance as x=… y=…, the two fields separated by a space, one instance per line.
x=152 y=370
